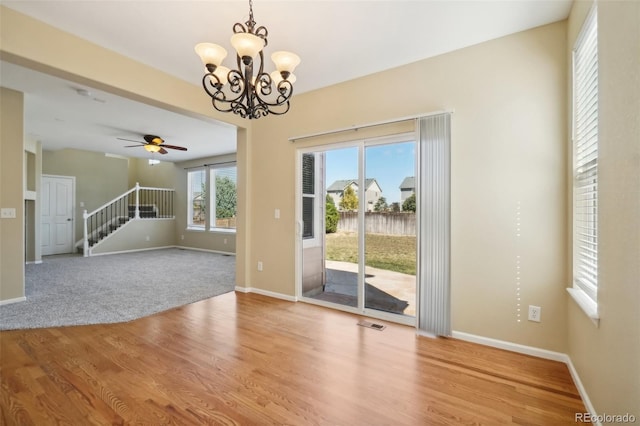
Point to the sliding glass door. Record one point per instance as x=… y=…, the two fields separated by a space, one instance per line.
x=358 y=227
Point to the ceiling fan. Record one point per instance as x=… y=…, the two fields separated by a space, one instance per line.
x=153 y=143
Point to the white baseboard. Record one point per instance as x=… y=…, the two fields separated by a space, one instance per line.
x=513 y=347
x=33 y=262
x=266 y=293
x=537 y=352
x=132 y=251
x=165 y=247
x=228 y=253
x=581 y=390
x=10 y=301
x=426 y=334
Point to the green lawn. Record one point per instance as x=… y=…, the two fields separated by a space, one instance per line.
x=390 y=252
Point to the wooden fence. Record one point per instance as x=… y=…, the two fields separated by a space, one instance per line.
x=379 y=223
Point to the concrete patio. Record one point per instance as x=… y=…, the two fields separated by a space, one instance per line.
x=384 y=290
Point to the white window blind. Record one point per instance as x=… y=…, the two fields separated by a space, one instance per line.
x=585 y=158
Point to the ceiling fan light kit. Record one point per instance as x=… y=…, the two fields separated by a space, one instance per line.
x=239 y=90
x=153 y=144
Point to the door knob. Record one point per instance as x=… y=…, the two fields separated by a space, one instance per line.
x=69 y=220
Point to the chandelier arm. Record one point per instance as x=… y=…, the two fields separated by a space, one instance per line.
x=207 y=78
x=219 y=98
x=265 y=82
x=285 y=90
x=236 y=82
x=239 y=28
x=262 y=33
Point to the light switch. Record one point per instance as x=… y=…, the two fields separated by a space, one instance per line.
x=8 y=213
x=277 y=214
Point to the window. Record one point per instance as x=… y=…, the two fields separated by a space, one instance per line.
x=213 y=199
x=197 y=205
x=224 y=197
x=585 y=166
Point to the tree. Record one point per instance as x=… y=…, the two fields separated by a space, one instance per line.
x=380 y=205
x=329 y=200
x=395 y=207
x=226 y=197
x=331 y=216
x=349 y=200
x=409 y=204
x=202 y=202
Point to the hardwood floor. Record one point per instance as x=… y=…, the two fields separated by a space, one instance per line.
x=245 y=359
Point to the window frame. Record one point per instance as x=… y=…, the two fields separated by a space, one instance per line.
x=585 y=134
x=190 y=225
x=210 y=201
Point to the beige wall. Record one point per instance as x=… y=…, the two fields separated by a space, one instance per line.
x=33 y=179
x=162 y=175
x=99 y=179
x=139 y=235
x=508 y=162
x=11 y=194
x=607 y=357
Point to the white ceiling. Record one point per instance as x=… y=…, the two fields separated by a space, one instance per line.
x=336 y=40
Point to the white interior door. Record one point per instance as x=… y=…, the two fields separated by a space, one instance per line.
x=57 y=214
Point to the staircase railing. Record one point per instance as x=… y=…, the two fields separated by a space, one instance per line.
x=137 y=203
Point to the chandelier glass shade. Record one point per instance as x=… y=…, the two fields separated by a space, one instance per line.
x=248 y=90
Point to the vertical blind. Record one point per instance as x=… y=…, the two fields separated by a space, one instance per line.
x=585 y=157
x=434 y=288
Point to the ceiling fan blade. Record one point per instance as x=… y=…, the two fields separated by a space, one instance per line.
x=179 y=148
x=133 y=146
x=130 y=140
x=163 y=151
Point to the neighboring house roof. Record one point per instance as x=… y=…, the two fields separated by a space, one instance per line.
x=340 y=185
x=408 y=183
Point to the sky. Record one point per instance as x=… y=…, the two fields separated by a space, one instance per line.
x=388 y=164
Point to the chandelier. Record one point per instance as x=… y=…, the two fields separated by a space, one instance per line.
x=240 y=90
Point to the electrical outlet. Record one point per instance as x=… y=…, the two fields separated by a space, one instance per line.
x=534 y=313
x=148 y=238
x=259 y=266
